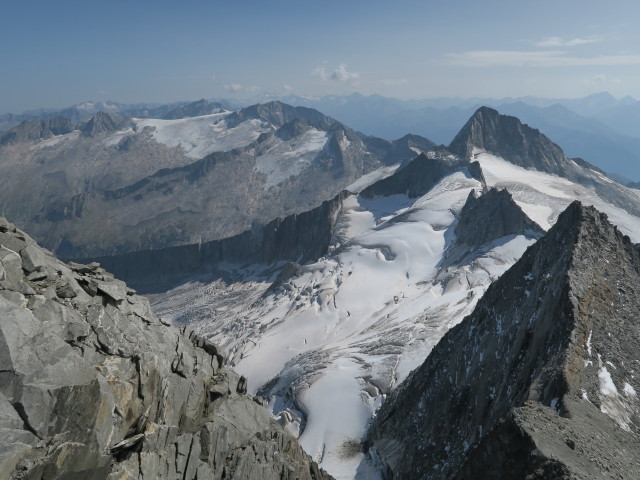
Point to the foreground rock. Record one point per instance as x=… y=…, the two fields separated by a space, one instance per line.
x=93 y=385
x=540 y=381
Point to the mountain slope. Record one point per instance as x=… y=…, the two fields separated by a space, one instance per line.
x=357 y=320
x=94 y=385
x=113 y=186
x=549 y=349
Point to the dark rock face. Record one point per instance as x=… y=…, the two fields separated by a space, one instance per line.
x=94 y=385
x=37 y=130
x=490 y=216
x=102 y=123
x=538 y=381
x=194 y=109
x=301 y=237
x=509 y=138
x=278 y=113
x=421 y=174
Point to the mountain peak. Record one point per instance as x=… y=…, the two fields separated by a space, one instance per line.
x=194 y=109
x=102 y=122
x=507 y=137
x=546 y=356
x=418 y=176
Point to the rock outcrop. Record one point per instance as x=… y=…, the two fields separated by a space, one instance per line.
x=94 y=386
x=489 y=216
x=540 y=381
x=418 y=176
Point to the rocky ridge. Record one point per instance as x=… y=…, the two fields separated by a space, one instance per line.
x=539 y=381
x=94 y=385
x=37 y=130
x=418 y=176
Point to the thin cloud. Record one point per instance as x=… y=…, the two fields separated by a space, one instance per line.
x=560 y=42
x=550 y=58
x=339 y=74
x=321 y=72
x=233 y=87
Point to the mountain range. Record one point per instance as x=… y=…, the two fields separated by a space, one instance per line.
x=481 y=292
x=112 y=185
x=403 y=259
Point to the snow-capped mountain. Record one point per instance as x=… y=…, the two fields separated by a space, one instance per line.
x=410 y=255
x=114 y=185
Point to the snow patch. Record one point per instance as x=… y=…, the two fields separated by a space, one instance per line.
x=285 y=159
x=55 y=140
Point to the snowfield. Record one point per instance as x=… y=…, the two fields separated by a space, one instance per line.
x=203 y=135
x=326 y=346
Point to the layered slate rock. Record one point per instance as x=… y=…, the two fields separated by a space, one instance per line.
x=540 y=381
x=94 y=385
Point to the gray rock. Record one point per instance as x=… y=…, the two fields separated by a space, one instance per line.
x=95 y=386
x=32 y=259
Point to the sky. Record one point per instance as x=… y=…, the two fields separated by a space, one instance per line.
x=55 y=54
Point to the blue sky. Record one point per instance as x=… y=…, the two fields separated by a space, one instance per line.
x=54 y=54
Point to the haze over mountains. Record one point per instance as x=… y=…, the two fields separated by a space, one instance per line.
x=599 y=128
x=328 y=264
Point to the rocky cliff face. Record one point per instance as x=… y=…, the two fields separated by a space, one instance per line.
x=93 y=385
x=301 y=237
x=539 y=381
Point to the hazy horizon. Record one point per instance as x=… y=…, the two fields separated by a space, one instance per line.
x=64 y=53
